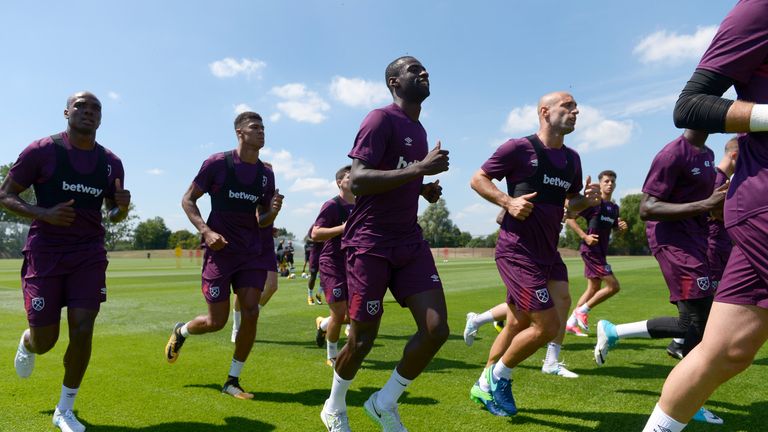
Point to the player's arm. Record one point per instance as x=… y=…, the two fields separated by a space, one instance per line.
x=267 y=215
x=62 y=214
x=117 y=205
x=589 y=239
x=431 y=191
x=654 y=209
x=214 y=240
x=366 y=180
x=519 y=208
x=320 y=234
x=576 y=202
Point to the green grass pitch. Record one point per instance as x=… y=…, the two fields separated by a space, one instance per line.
x=130 y=387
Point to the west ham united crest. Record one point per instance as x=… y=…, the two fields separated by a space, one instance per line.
x=703 y=283
x=38 y=303
x=213 y=291
x=373 y=307
x=542 y=295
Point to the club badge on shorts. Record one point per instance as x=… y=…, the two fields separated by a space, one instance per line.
x=703 y=283
x=213 y=291
x=542 y=295
x=38 y=303
x=337 y=292
x=373 y=307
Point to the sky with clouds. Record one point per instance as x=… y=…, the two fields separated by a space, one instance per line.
x=173 y=75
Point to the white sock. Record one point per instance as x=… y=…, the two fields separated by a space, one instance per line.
x=337 y=401
x=310 y=292
x=658 y=421
x=681 y=341
x=483 y=318
x=571 y=320
x=553 y=353
x=23 y=346
x=500 y=370
x=636 y=329
x=184 y=330
x=483 y=382
x=333 y=349
x=392 y=390
x=235 y=320
x=324 y=323
x=236 y=368
x=67 y=398
x=583 y=308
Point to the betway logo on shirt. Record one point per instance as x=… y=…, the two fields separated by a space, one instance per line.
x=243 y=196
x=606 y=219
x=556 y=181
x=81 y=188
x=402 y=163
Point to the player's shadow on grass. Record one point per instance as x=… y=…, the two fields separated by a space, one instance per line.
x=606 y=421
x=408 y=336
x=636 y=371
x=232 y=424
x=438 y=364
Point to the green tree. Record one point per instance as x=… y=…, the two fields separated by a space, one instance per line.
x=438 y=228
x=284 y=233
x=568 y=238
x=488 y=241
x=633 y=241
x=183 y=238
x=151 y=234
x=119 y=233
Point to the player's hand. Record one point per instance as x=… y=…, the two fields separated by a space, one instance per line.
x=591 y=192
x=214 y=240
x=435 y=162
x=62 y=214
x=122 y=196
x=520 y=208
x=717 y=198
x=591 y=239
x=277 y=201
x=432 y=191
x=623 y=225
x=717 y=215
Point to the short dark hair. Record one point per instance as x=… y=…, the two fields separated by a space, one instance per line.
x=393 y=69
x=606 y=173
x=342 y=172
x=245 y=116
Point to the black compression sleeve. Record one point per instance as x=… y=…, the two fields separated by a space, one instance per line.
x=700 y=105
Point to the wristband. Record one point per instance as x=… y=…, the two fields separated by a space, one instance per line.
x=758 y=119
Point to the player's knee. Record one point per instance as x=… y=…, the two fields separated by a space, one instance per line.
x=217 y=323
x=613 y=287
x=250 y=313
x=548 y=330
x=43 y=344
x=736 y=360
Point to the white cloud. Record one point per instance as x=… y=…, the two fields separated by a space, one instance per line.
x=317 y=186
x=358 y=93
x=593 y=130
x=309 y=208
x=284 y=164
x=521 y=119
x=650 y=105
x=275 y=117
x=229 y=67
x=241 y=108
x=670 y=47
x=207 y=145
x=114 y=96
x=479 y=210
x=155 y=171
x=300 y=104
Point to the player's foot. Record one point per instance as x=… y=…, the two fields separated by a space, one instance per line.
x=606 y=339
x=582 y=319
x=175 y=342
x=310 y=301
x=320 y=334
x=318 y=299
x=706 y=416
x=66 y=421
x=575 y=330
x=501 y=392
x=387 y=418
x=559 y=370
x=675 y=350
x=334 y=421
x=477 y=395
x=331 y=362
x=499 y=326
x=470 y=329
x=232 y=388
x=24 y=361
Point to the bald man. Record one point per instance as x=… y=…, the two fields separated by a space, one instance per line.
x=542 y=176
x=64 y=257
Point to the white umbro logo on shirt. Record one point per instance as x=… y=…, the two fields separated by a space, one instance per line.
x=408 y=141
x=435 y=278
x=696 y=171
x=535 y=162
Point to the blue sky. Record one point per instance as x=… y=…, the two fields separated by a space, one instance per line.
x=172 y=75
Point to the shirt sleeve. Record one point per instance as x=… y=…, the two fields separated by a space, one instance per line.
x=116 y=171
x=329 y=216
x=509 y=160
x=372 y=138
x=205 y=180
x=269 y=188
x=577 y=184
x=662 y=176
x=30 y=166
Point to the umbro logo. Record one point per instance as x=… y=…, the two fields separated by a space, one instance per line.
x=104 y=291
x=408 y=141
x=534 y=162
x=696 y=171
x=435 y=278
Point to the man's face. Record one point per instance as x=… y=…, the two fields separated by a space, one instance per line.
x=562 y=115
x=251 y=133
x=344 y=183
x=413 y=81
x=83 y=113
x=607 y=185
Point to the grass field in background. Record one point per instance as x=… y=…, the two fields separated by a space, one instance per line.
x=130 y=387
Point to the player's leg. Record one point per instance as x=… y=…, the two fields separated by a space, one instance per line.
x=270 y=288
x=558 y=290
x=610 y=288
x=579 y=318
x=311 y=286
x=475 y=321
x=249 y=296
x=338 y=311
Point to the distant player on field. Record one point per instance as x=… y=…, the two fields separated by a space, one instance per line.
x=64 y=256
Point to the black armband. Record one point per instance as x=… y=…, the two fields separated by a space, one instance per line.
x=700 y=105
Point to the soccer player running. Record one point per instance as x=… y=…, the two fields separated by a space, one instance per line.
x=601 y=220
x=719 y=242
x=243 y=199
x=542 y=175
x=738 y=321
x=328 y=228
x=385 y=247
x=64 y=256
